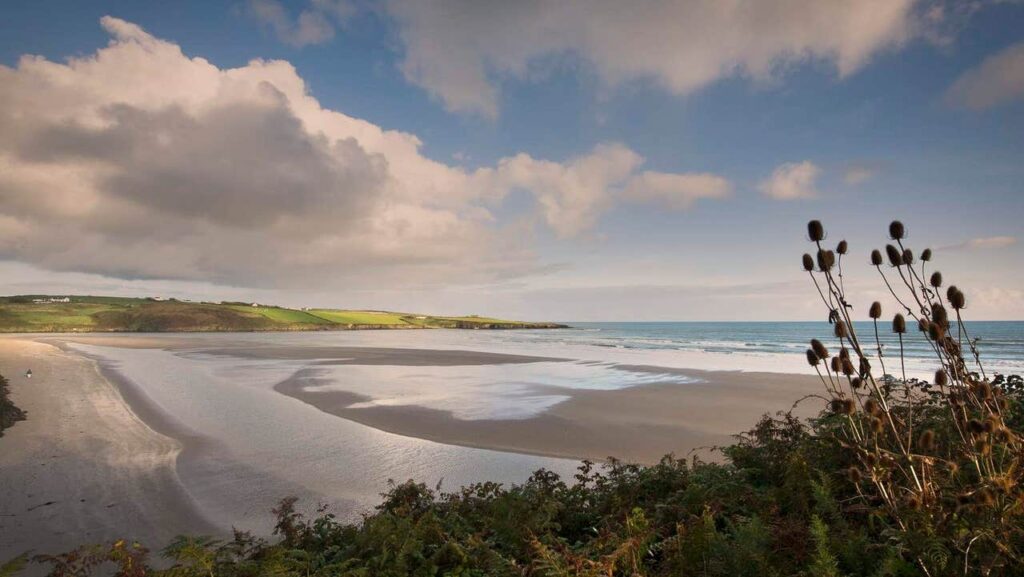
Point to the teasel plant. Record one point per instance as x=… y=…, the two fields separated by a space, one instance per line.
x=940 y=462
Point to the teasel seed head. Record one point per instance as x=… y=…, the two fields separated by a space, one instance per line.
x=816 y=231
x=849 y=407
x=922 y=325
x=837 y=365
x=927 y=441
x=941 y=378
x=908 y=257
x=870 y=460
x=876 y=257
x=975 y=426
x=984 y=390
x=812 y=358
x=956 y=298
x=857 y=383
x=842 y=247
x=936 y=280
x=841 y=330
x=940 y=315
x=848 y=369
x=819 y=349
x=990 y=425
x=872 y=407
x=875 y=311
x=936 y=331
x=894 y=254
x=952 y=468
x=896 y=230
x=826 y=260
x=876 y=425
x=926 y=255
x=836 y=405
x=844 y=353
x=865 y=367
x=808 y=262
x=854 y=475
x=899 y=324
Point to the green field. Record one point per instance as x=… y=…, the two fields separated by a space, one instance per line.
x=119 y=314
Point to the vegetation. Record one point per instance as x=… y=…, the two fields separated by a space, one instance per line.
x=895 y=477
x=9 y=413
x=39 y=313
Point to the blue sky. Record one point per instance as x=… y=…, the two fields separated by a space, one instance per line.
x=758 y=126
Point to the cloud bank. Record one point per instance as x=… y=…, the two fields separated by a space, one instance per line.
x=792 y=181
x=139 y=161
x=459 y=52
x=999 y=79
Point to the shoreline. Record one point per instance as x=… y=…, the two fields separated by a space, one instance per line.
x=85 y=466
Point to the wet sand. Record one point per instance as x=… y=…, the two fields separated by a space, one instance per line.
x=83 y=468
x=638 y=424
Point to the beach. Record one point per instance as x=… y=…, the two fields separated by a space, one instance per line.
x=149 y=436
x=83 y=468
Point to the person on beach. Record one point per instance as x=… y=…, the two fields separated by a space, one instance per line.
x=28 y=374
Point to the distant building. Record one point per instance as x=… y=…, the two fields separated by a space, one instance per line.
x=53 y=300
x=255 y=304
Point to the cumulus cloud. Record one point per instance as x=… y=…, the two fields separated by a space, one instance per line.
x=990 y=242
x=139 y=161
x=792 y=181
x=313 y=25
x=460 y=51
x=997 y=80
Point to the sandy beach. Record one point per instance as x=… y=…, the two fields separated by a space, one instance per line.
x=83 y=468
x=98 y=459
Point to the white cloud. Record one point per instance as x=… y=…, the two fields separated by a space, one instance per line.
x=990 y=242
x=313 y=25
x=460 y=51
x=792 y=181
x=141 y=162
x=857 y=175
x=997 y=80
x=677 y=191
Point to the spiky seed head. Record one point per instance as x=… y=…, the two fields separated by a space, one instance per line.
x=975 y=426
x=841 y=330
x=854 y=474
x=941 y=378
x=837 y=365
x=897 y=230
x=899 y=324
x=956 y=298
x=872 y=407
x=908 y=257
x=922 y=325
x=876 y=425
x=848 y=369
x=926 y=254
x=812 y=358
x=953 y=468
x=927 y=440
x=936 y=280
x=819 y=349
x=826 y=260
x=808 y=262
x=984 y=390
x=816 y=231
x=990 y=425
x=844 y=353
x=936 y=331
x=842 y=247
x=865 y=366
x=1003 y=436
x=875 y=311
x=940 y=315
x=849 y=407
x=870 y=460
x=836 y=405
x=894 y=254
x=876 y=257
x=857 y=383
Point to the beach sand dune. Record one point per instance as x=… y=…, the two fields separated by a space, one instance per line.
x=83 y=468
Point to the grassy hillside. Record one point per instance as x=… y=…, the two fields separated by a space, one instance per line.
x=25 y=313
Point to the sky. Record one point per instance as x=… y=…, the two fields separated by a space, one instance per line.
x=573 y=160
